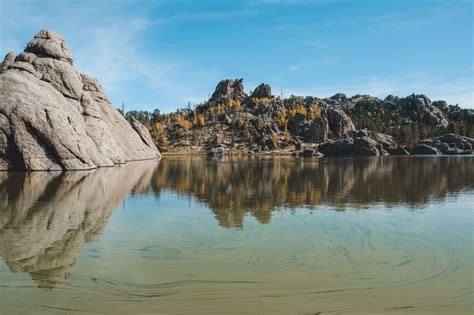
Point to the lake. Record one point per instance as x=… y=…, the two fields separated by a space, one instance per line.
x=183 y=235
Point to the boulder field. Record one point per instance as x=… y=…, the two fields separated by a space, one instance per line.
x=54 y=118
x=365 y=143
x=233 y=121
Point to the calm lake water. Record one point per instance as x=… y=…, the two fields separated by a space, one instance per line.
x=188 y=235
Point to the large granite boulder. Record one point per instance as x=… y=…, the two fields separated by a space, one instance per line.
x=8 y=61
x=232 y=89
x=262 y=91
x=319 y=130
x=363 y=143
x=332 y=124
x=356 y=146
x=423 y=149
x=54 y=118
x=340 y=123
x=385 y=143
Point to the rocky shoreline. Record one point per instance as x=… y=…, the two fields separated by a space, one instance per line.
x=363 y=143
x=234 y=122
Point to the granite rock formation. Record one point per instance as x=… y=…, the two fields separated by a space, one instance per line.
x=54 y=118
x=450 y=144
x=232 y=89
x=262 y=91
x=262 y=122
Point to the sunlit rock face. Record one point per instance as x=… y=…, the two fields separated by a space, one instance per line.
x=54 y=118
x=46 y=218
x=234 y=189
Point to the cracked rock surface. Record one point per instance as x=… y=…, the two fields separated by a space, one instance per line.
x=54 y=118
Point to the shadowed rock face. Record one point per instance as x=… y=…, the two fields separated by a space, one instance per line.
x=47 y=218
x=54 y=118
x=236 y=188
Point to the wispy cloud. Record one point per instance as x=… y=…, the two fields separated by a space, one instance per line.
x=109 y=47
x=162 y=53
x=115 y=54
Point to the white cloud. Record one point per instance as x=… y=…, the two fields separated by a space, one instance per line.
x=105 y=40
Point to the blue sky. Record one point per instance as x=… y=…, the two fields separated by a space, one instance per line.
x=162 y=54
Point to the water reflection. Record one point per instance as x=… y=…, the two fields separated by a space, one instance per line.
x=233 y=188
x=47 y=217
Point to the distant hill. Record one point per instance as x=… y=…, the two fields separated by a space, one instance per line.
x=233 y=121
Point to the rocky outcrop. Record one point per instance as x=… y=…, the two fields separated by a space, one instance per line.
x=423 y=149
x=363 y=143
x=421 y=105
x=450 y=144
x=368 y=143
x=332 y=124
x=340 y=123
x=262 y=122
x=232 y=89
x=385 y=143
x=54 y=118
x=319 y=130
x=8 y=61
x=356 y=146
x=262 y=91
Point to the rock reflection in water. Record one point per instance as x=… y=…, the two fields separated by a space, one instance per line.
x=233 y=188
x=47 y=217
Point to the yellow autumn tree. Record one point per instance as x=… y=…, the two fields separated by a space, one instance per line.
x=297 y=110
x=281 y=119
x=315 y=112
x=159 y=128
x=183 y=123
x=201 y=121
